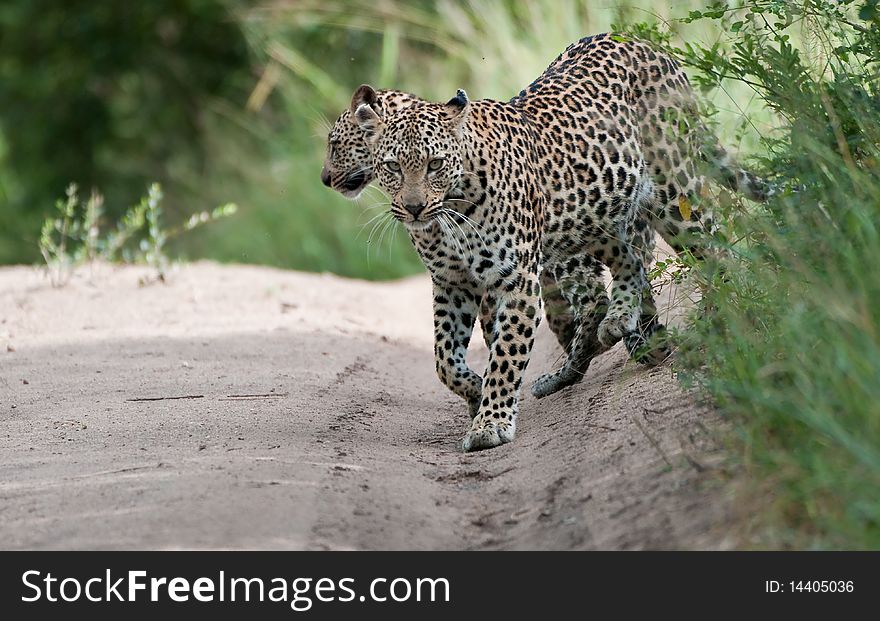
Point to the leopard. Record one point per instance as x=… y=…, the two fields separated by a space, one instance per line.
x=428 y=155
x=477 y=229
x=664 y=98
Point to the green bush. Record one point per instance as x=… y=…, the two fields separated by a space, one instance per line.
x=790 y=345
x=111 y=95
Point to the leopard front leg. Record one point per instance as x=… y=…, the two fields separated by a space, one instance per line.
x=487 y=326
x=455 y=310
x=646 y=345
x=516 y=318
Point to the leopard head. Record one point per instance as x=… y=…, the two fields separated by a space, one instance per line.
x=348 y=164
x=418 y=155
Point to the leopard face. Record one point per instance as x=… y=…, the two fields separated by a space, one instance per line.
x=348 y=164
x=418 y=157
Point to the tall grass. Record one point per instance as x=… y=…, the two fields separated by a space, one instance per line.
x=790 y=345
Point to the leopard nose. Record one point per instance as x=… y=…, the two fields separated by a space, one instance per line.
x=415 y=209
x=325 y=177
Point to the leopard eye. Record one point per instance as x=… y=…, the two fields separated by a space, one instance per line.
x=392 y=166
x=436 y=164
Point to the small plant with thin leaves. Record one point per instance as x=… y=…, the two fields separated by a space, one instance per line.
x=69 y=238
x=72 y=236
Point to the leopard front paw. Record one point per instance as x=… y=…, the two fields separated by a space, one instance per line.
x=488 y=434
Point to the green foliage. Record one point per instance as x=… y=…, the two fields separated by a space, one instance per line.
x=111 y=94
x=56 y=233
x=72 y=237
x=788 y=335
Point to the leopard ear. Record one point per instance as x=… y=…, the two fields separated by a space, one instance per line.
x=457 y=109
x=365 y=94
x=369 y=122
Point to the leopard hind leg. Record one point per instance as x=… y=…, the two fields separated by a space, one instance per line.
x=646 y=344
x=579 y=283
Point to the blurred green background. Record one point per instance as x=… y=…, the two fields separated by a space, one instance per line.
x=229 y=101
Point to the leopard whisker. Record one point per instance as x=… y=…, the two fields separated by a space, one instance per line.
x=372 y=188
x=442 y=219
x=462 y=200
x=474 y=226
x=376 y=226
x=375 y=206
x=463 y=235
x=392 y=239
x=443 y=226
x=357 y=171
x=389 y=224
x=371 y=220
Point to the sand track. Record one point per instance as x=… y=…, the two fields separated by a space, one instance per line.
x=245 y=407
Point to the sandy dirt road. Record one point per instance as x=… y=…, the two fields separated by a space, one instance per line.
x=245 y=407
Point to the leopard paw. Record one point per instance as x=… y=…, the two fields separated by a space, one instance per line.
x=648 y=349
x=549 y=383
x=613 y=327
x=488 y=434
